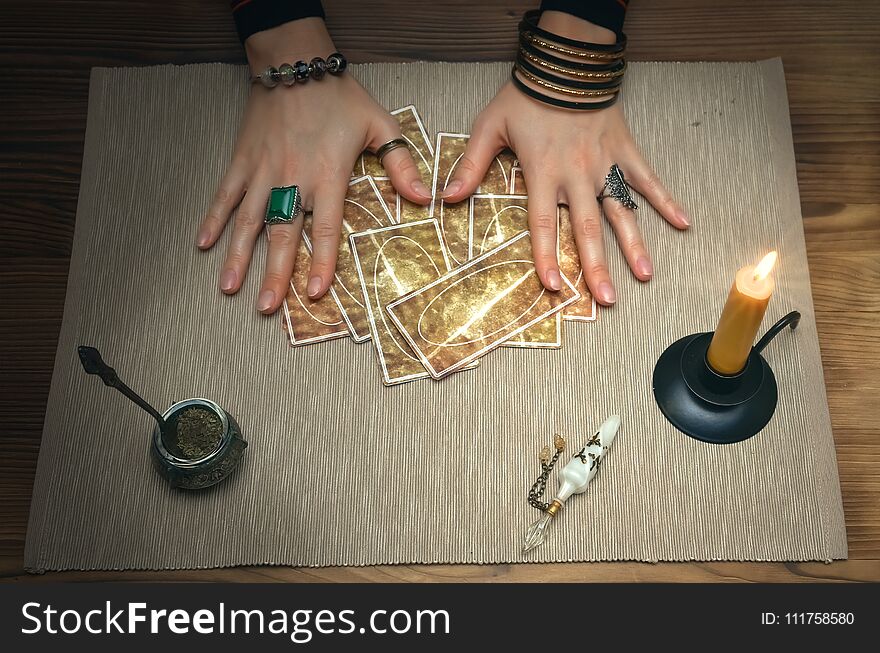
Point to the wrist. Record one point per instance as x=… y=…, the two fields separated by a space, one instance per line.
x=297 y=40
x=572 y=27
x=568 y=62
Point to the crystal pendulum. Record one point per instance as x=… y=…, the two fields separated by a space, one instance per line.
x=535 y=535
x=573 y=478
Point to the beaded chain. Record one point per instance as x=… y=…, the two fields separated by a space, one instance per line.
x=301 y=72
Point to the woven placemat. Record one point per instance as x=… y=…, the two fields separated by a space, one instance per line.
x=343 y=471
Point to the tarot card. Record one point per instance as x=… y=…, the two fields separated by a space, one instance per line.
x=583 y=310
x=306 y=320
x=389 y=196
x=473 y=309
x=454 y=218
x=402 y=210
x=363 y=209
x=497 y=179
x=393 y=261
x=517 y=181
x=412 y=212
x=493 y=220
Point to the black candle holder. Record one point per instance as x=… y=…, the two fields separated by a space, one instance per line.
x=714 y=407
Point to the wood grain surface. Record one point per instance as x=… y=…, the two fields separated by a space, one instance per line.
x=831 y=54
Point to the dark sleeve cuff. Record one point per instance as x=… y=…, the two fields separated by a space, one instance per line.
x=605 y=13
x=252 y=16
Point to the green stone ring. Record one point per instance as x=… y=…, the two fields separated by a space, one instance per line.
x=285 y=203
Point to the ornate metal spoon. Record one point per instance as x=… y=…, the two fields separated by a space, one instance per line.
x=93 y=364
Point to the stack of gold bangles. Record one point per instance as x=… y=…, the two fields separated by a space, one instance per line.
x=588 y=73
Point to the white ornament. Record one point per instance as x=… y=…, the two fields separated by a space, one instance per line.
x=574 y=478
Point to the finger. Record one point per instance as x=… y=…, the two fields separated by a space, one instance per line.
x=648 y=184
x=248 y=223
x=228 y=195
x=325 y=233
x=543 y=227
x=280 y=257
x=405 y=176
x=485 y=142
x=586 y=224
x=629 y=238
x=401 y=167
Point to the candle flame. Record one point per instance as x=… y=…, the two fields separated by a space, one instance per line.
x=763 y=269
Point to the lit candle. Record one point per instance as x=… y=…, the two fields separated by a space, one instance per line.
x=741 y=317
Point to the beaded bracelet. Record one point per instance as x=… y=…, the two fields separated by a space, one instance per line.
x=301 y=71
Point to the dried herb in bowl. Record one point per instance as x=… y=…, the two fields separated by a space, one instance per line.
x=198 y=432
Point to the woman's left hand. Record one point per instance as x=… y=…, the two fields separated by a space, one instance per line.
x=565 y=155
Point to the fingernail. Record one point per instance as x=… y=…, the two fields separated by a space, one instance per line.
x=554 y=280
x=227 y=280
x=202 y=239
x=644 y=267
x=683 y=217
x=314 y=286
x=452 y=188
x=420 y=189
x=266 y=300
x=606 y=293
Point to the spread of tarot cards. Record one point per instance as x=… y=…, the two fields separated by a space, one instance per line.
x=437 y=287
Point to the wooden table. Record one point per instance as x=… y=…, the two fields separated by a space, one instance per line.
x=831 y=53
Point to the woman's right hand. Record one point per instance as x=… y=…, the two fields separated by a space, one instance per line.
x=309 y=135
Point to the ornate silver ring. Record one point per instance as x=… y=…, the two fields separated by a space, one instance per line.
x=617 y=188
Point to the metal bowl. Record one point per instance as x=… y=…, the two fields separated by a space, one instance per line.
x=208 y=470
